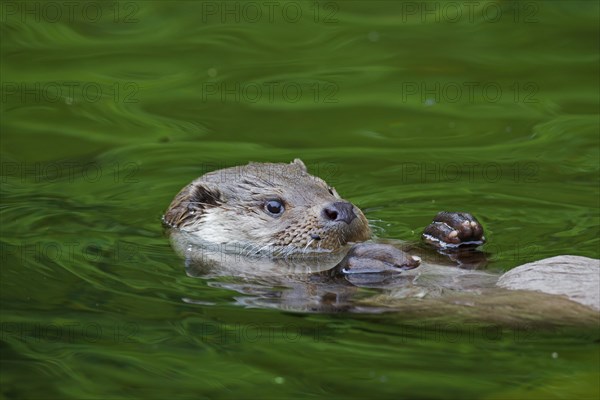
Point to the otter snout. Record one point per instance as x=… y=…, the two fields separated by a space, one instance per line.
x=339 y=211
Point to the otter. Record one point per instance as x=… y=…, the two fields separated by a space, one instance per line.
x=271 y=208
x=275 y=219
x=281 y=210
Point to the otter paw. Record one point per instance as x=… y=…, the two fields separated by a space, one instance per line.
x=453 y=229
x=369 y=258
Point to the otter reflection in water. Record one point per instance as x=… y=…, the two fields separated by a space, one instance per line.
x=293 y=242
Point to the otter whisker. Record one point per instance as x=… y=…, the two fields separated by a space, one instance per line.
x=247 y=249
x=265 y=246
x=307 y=244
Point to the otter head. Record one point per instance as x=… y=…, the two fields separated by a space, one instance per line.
x=278 y=209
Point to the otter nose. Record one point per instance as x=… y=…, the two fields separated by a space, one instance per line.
x=339 y=211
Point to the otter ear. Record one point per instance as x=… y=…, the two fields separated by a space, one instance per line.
x=190 y=203
x=298 y=162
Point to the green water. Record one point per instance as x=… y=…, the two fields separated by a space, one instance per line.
x=408 y=108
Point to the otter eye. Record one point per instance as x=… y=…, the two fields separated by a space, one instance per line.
x=330 y=191
x=274 y=207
